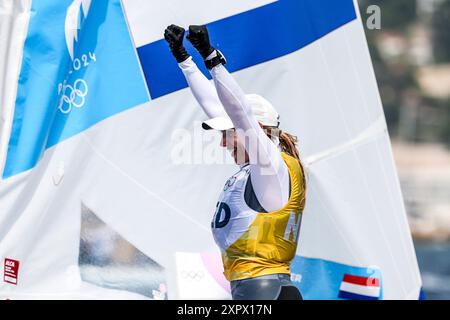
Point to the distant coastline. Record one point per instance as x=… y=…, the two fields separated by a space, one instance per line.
x=424 y=173
x=434 y=236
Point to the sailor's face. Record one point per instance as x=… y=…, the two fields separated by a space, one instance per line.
x=231 y=141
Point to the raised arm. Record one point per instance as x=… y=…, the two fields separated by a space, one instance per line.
x=269 y=173
x=202 y=89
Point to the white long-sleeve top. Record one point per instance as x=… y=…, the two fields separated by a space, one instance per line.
x=269 y=173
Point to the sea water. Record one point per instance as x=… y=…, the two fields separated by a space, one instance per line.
x=434 y=264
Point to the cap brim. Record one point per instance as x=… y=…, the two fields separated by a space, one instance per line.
x=219 y=123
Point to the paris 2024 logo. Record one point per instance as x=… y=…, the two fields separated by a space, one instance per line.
x=72 y=91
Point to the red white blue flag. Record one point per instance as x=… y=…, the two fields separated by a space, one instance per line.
x=359 y=288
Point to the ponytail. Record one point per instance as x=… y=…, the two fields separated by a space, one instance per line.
x=288 y=144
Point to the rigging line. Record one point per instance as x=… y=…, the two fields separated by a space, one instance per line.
x=376 y=130
x=366 y=109
x=372 y=201
x=146 y=190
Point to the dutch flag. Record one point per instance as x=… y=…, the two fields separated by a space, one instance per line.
x=359 y=288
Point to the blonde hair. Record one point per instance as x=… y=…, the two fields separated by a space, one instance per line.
x=288 y=142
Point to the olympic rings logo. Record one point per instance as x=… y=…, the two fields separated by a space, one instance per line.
x=192 y=275
x=72 y=96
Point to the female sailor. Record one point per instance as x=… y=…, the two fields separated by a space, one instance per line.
x=257 y=219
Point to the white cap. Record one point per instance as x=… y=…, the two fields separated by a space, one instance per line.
x=262 y=109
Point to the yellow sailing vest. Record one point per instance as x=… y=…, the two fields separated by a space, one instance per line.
x=258 y=243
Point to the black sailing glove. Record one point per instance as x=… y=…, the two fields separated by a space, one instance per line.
x=174 y=35
x=199 y=37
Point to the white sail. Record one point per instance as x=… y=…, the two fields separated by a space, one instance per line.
x=93 y=188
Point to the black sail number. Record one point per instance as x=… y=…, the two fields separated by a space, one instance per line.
x=221 y=220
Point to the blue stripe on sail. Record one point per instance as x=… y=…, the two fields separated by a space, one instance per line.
x=250 y=38
x=114 y=80
x=353 y=296
x=319 y=279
